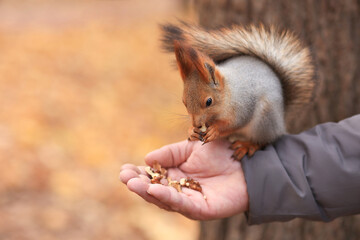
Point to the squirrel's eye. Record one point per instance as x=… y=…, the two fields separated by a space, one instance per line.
x=208 y=102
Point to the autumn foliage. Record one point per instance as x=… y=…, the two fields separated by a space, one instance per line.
x=84 y=89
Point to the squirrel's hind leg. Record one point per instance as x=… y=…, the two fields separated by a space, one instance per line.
x=242 y=148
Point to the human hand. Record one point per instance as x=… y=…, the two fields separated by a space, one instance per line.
x=221 y=178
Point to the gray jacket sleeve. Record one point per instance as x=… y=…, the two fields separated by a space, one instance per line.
x=313 y=175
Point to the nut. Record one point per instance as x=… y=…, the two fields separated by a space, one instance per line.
x=174 y=184
x=190 y=183
x=203 y=128
x=182 y=181
x=156 y=173
x=156 y=179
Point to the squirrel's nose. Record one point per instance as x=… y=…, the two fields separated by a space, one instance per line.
x=198 y=121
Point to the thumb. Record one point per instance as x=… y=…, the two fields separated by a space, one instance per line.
x=171 y=155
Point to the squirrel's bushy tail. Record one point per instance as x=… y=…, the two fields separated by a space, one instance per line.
x=281 y=50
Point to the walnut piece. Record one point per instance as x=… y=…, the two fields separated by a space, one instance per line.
x=190 y=183
x=203 y=128
x=175 y=184
x=156 y=173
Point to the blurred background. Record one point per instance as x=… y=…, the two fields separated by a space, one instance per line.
x=84 y=89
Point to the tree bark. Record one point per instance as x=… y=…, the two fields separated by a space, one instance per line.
x=332 y=30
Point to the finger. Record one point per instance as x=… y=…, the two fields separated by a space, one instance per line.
x=130 y=166
x=145 y=178
x=127 y=174
x=178 y=202
x=142 y=170
x=140 y=187
x=171 y=155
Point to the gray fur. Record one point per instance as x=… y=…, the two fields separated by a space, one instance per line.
x=256 y=98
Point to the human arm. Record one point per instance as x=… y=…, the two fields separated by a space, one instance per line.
x=313 y=175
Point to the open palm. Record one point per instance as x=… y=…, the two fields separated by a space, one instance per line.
x=221 y=179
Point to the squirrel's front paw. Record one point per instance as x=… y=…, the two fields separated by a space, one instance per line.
x=195 y=134
x=211 y=134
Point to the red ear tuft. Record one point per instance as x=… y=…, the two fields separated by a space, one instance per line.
x=182 y=59
x=189 y=59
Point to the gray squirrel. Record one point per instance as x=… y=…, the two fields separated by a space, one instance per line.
x=240 y=83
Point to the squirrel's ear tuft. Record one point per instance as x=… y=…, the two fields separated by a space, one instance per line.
x=183 y=61
x=189 y=59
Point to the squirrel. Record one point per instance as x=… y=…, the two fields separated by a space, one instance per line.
x=241 y=83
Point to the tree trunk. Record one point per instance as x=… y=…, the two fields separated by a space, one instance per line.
x=332 y=30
